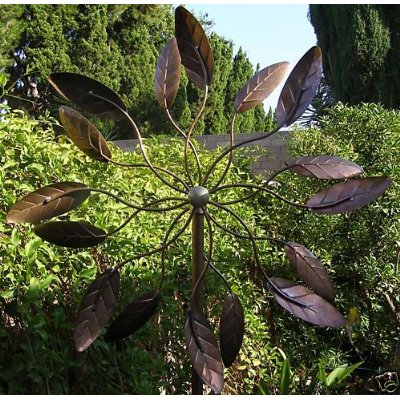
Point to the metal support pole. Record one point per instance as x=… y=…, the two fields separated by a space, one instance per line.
x=198 y=265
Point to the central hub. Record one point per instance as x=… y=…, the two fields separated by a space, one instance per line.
x=198 y=196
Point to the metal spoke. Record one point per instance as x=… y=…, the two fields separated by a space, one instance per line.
x=238 y=235
x=230 y=155
x=126 y=222
x=235 y=146
x=190 y=144
x=157 y=250
x=220 y=274
x=250 y=235
x=142 y=148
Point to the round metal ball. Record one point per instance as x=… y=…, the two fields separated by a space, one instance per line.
x=198 y=196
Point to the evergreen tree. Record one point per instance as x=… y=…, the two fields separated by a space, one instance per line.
x=361 y=48
x=12 y=27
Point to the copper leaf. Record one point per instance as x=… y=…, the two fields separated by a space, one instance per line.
x=96 y=308
x=348 y=196
x=231 y=329
x=70 y=234
x=134 y=316
x=325 y=167
x=305 y=304
x=168 y=73
x=260 y=86
x=195 y=51
x=204 y=354
x=310 y=269
x=84 y=134
x=300 y=87
x=48 y=202
x=88 y=94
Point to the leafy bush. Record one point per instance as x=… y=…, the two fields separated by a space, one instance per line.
x=361 y=249
x=41 y=285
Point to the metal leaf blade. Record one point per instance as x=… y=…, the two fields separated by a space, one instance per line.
x=231 y=329
x=310 y=270
x=305 y=304
x=168 y=73
x=96 y=308
x=204 y=354
x=194 y=48
x=348 y=196
x=300 y=87
x=84 y=134
x=88 y=95
x=325 y=167
x=47 y=202
x=134 y=316
x=70 y=234
x=260 y=86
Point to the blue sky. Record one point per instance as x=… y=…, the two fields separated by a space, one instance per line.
x=269 y=33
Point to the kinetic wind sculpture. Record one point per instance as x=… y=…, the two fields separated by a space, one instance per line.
x=191 y=49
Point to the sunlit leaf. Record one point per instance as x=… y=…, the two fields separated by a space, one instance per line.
x=300 y=87
x=305 y=304
x=260 y=86
x=167 y=76
x=84 y=134
x=47 y=202
x=348 y=196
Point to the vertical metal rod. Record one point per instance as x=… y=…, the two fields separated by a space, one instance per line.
x=198 y=264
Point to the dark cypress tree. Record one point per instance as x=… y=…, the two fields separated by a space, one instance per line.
x=361 y=47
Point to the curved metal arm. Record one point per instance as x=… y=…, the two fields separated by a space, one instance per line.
x=238 y=235
x=220 y=274
x=174 y=222
x=262 y=189
x=255 y=193
x=146 y=206
x=166 y=171
x=235 y=146
x=250 y=235
x=142 y=148
x=149 y=253
x=230 y=155
x=190 y=143
x=126 y=222
x=187 y=139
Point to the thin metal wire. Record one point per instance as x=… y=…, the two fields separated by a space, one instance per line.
x=190 y=142
x=142 y=208
x=174 y=222
x=229 y=150
x=249 y=196
x=149 y=253
x=142 y=148
x=126 y=222
x=238 y=235
x=278 y=196
x=176 y=177
x=230 y=154
x=220 y=274
x=209 y=256
x=251 y=237
x=187 y=140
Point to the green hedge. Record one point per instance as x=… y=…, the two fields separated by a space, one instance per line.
x=41 y=285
